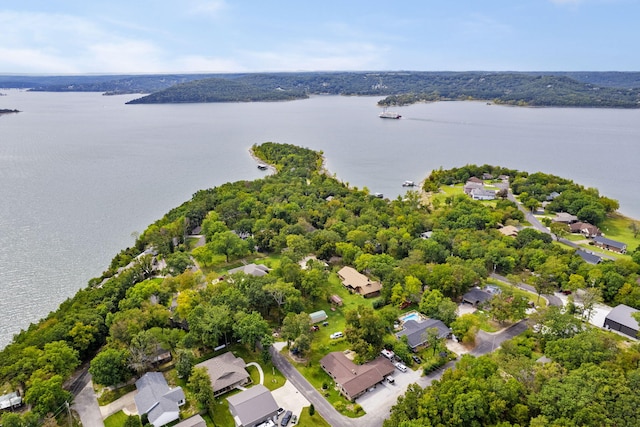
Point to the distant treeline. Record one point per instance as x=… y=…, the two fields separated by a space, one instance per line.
x=562 y=89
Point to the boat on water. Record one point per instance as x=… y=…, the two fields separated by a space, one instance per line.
x=262 y=166
x=389 y=115
x=378 y=195
x=408 y=184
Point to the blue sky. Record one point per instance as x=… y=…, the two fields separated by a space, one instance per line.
x=158 y=36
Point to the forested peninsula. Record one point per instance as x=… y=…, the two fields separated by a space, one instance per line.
x=542 y=89
x=175 y=291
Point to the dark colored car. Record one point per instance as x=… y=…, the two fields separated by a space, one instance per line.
x=416 y=359
x=286 y=418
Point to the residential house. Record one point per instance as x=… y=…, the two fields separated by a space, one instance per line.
x=252 y=270
x=354 y=380
x=585 y=229
x=610 y=245
x=565 y=218
x=476 y=297
x=226 y=372
x=621 y=319
x=589 y=257
x=472 y=185
x=509 y=230
x=552 y=196
x=252 y=406
x=426 y=234
x=416 y=331
x=359 y=283
x=156 y=399
x=487 y=175
x=482 y=194
x=10 y=401
x=475 y=180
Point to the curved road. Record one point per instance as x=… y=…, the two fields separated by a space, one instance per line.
x=486 y=344
x=553 y=300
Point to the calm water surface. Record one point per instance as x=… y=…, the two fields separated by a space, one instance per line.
x=80 y=172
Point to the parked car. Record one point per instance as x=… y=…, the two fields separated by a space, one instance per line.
x=416 y=359
x=286 y=418
x=401 y=367
x=280 y=411
x=294 y=419
x=390 y=380
x=315 y=328
x=336 y=335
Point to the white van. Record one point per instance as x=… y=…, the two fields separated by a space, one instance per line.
x=388 y=354
x=336 y=335
x=401 y=367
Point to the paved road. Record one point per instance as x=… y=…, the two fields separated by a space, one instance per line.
x=528 y=215
x=86 y=403
x=324 y=408
x=487 y=343
x=553 y=300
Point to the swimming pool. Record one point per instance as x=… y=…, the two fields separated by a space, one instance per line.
x=412 y=315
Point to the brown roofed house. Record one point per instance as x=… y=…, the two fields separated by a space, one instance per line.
x=354 y=380
x=226 y=372
x=359 y=283
x=509 y=230
x=585 y=228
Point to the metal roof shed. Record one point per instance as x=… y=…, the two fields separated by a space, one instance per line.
x=318 y=316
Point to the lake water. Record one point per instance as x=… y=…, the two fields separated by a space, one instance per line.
x=79 y=172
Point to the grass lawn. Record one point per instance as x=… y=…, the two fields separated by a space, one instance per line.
x=519 y=292
x=322 y=344
x=116 y=420
x=314 y=420
x=616 y=227
x=109 y=396
x=221 y=415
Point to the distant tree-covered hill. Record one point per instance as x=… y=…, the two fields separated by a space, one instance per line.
x=562 y=89
x=221 y=90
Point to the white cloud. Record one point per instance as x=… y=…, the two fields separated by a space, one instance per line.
x=197 y=64
x=209 y=8
x=30 y=60
x=318 y=56
x=124 y=55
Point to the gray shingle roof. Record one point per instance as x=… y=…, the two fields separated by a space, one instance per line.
x=252 y=405
x=609 y=242
x=588 y=257
x=415 y=331
x=476 y=296
x=225 y=371
x=195 y=421
x=157 y=400
x=251 y=269
x=622 y=314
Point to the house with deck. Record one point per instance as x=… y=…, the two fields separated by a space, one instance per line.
x=358 y=283
x=610 y=245
x=226 y=372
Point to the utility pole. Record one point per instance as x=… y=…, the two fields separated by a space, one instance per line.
x=69 y=414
